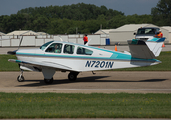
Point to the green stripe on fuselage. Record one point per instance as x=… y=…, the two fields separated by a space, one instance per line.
x=115 y=56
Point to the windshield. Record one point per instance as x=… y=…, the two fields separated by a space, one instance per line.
x=45 y=45
x=147 y=31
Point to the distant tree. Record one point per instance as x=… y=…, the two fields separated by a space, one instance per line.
x=87 y=18
x=138 y=19
x=53 y=26
x=161 y=14
x=80 y=11
x=4 y=26
x=117 y=21
x=13 y=22
x=40 y=24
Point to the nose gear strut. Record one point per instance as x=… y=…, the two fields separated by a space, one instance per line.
x=20 y=78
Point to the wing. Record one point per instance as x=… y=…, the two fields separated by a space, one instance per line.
x=42 y=64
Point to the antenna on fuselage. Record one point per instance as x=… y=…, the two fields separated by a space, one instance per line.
x=21 y=39
x=60 y=38
x=88 y=42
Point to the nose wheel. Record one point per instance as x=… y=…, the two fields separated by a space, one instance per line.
x=20 y=78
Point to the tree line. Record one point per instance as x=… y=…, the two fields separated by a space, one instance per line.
x=81 y=18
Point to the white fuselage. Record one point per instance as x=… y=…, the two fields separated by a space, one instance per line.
x=100 y=59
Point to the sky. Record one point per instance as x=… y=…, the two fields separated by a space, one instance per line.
x=128 y=7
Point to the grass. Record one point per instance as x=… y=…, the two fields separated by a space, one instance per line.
x=165 y=57
x=8 y=66
x=95 y=105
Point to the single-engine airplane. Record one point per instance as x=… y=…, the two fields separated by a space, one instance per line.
x=75 y=58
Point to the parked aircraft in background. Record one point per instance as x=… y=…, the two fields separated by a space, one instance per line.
x=75 y=58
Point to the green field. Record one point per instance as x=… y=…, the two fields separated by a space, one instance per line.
x=165 y=57
x=8 y=66
x=95 y=105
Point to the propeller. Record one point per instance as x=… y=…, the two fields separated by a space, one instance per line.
x=14 y=52
x=20 y=42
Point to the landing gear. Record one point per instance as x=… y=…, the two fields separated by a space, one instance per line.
x=72 y=76
x=48 y=75
x=20 y=78
x=48 y=81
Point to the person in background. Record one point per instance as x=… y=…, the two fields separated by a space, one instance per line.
x=159 y=35
x=85 y=39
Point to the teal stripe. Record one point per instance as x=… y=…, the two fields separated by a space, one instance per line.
x=18 y=61
x=153 y=40
x=134 y=41
x=115 y=56
x=157 y=40
x=63 y=56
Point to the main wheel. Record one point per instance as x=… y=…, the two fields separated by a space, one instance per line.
x=48 y=81
x=72 y=76
x=20 y=78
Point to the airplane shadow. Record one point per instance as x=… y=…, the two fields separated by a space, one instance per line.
x=84 y=79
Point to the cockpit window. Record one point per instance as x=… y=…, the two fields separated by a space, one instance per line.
x=84 y=51
x=69 y=49
x=54 y=48
x=45 y=45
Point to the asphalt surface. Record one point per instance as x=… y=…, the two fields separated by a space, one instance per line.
x=101 y=82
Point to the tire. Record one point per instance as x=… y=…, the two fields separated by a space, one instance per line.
x=20 y=79
x=48 y=81
x=72 y=76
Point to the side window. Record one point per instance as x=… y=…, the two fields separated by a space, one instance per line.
x=84 y=51
x=54 y=48
x=69 y=49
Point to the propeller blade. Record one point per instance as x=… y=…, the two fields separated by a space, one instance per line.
x=20 y=42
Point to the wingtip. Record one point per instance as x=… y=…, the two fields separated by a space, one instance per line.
x=11 y=60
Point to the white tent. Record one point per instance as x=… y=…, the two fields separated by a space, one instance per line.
x=168 y=28
x=103 y=31
x=1 y=33
x=22 y=32
x=42 y=33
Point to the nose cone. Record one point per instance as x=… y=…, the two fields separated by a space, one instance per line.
x=12 y=52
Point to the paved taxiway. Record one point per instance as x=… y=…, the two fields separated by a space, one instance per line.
x=102 y=81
